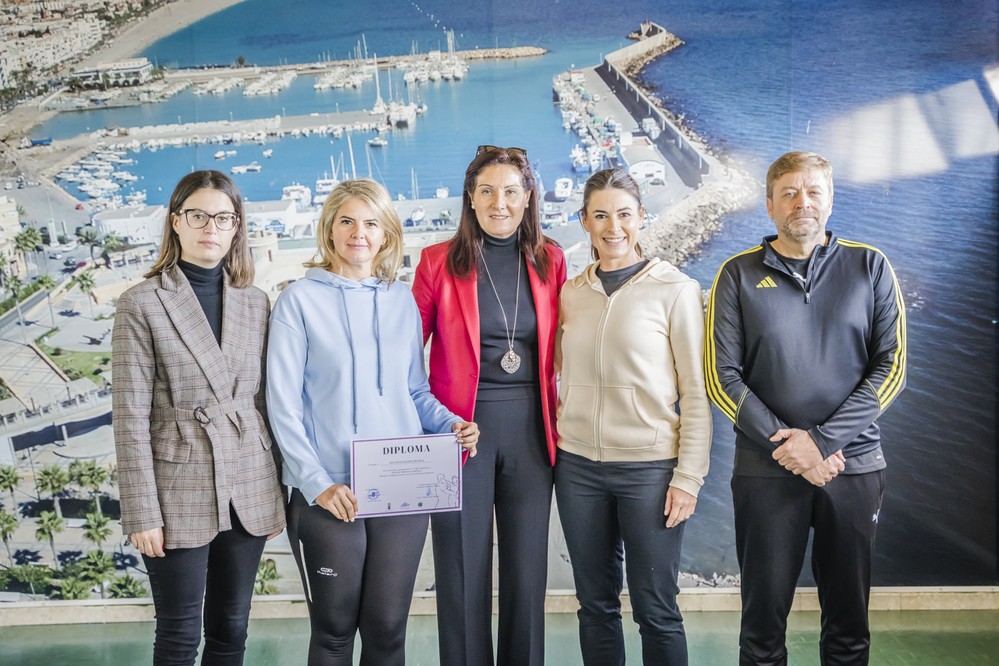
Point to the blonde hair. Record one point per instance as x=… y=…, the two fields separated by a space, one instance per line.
x=386 y=263
x=798 y=161
x=238 y=261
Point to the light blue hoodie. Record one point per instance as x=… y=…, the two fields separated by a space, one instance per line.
x=344 y=361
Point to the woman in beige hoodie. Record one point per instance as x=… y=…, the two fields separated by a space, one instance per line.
x=634 y=427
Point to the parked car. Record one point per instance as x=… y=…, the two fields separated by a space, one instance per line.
x=55 y=255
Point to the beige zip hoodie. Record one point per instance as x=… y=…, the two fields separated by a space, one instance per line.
x=625 y=362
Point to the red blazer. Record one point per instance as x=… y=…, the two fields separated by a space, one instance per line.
x=450 y=310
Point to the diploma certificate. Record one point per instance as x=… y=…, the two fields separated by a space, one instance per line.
x=402 y=475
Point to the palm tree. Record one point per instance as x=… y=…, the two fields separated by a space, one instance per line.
x=96 y=567
x=86 y=283
x=96 y=529
x=8 y=523
x=73 y=588
x=266 y=574
x=16 y=286
x=9 y=479
x=36 y=578
x=47 y=282
x=126 y=587
x=27 y=240
x=111 y=241
x=90 y=236
x=89 y=476
x=49 y=525
x=52 y=479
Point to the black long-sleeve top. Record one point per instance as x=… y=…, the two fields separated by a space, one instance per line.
x=826 y=354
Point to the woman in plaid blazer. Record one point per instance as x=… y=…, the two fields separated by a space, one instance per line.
x=197 y=473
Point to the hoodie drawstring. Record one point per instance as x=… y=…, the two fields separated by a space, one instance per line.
x=378 y=345
x=353 y=357
x=353 y=360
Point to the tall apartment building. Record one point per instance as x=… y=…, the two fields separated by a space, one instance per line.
x=10 y=226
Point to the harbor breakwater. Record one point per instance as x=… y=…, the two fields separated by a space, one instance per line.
x=718 y=188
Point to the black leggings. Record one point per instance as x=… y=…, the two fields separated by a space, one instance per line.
x=218 y=576
x=358 y=577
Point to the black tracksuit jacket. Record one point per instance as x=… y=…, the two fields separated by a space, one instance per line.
x=826 y=356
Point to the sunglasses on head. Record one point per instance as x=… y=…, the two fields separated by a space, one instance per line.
x=512 y=150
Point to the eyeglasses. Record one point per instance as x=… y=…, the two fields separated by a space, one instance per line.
x=512 y=150
x=199 y=219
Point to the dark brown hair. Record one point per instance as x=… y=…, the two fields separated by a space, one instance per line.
x=612 y=179
x=238 y=262
x=462 y=256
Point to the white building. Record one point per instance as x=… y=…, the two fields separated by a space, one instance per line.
x=135 y=224
x=10 y=226
x=131 y=72
x=644 y=162
x=61 y=40
x=9 y=63
x=281 y=217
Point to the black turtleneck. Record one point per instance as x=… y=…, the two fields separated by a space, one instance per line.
x=207 y=286
x=615 y=279
x=503 y=258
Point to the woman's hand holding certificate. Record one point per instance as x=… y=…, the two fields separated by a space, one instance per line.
x=403 y=475
x=340 y=501
x=468 y=436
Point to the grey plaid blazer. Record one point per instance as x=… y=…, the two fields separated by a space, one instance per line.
x=188 y=416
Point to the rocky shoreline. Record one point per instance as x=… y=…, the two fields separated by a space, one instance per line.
x=684 y=227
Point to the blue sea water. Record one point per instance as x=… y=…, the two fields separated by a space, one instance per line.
x=756 y=79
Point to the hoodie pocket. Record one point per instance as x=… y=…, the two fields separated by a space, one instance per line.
x=575 y=415
x=623 y=425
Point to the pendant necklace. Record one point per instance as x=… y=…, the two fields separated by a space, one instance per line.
x=510 y=362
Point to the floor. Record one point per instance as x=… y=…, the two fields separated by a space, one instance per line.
x=933 y=638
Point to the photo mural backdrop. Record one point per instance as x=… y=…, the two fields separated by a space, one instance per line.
x=897 y=95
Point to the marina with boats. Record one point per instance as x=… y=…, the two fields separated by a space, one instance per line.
x=591 y=103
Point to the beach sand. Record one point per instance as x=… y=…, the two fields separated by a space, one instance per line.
x=159 y=24
x=134 y=38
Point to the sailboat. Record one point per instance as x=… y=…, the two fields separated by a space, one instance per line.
x=379 y=107
x=325 y=185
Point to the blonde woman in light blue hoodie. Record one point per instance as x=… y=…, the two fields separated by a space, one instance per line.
x=345 y=361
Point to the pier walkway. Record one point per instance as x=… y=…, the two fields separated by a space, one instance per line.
x=699 y=188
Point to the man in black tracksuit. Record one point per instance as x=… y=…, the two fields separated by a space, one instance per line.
x=805 y=348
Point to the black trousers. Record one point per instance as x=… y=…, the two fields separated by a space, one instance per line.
x=773 y=516
x=609 y=511
x=512 y=475
x=218 y=577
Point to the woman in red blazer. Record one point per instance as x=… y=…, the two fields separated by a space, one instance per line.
x=489 y=301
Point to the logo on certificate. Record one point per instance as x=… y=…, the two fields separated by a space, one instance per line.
x=373 y=494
